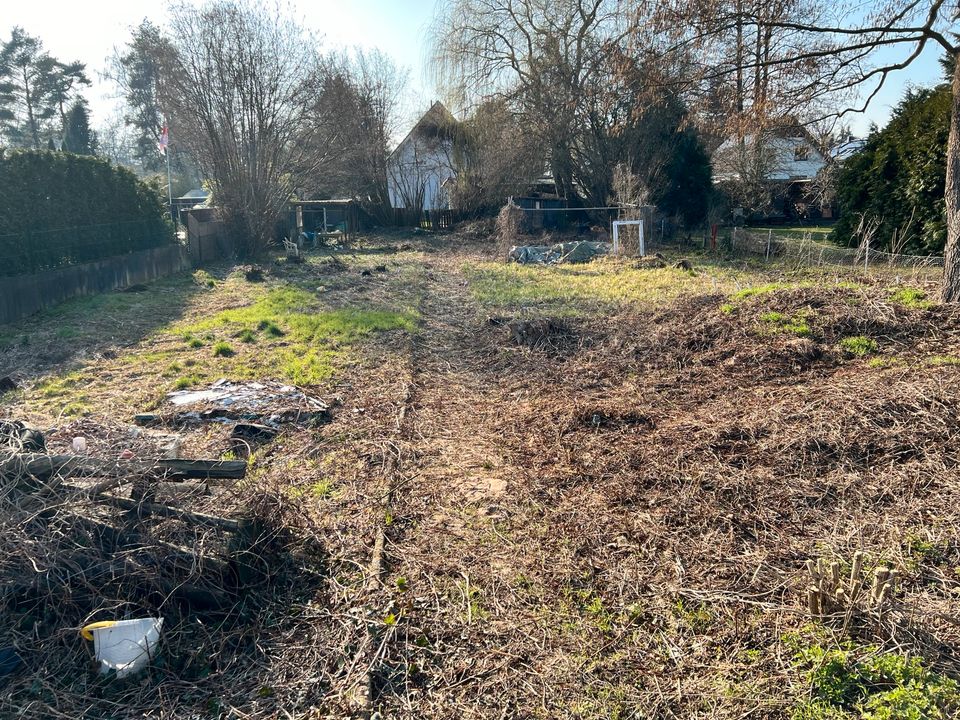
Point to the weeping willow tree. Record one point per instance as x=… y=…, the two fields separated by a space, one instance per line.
x=570 y=75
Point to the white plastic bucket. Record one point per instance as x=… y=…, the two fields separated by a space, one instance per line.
x=125 y=646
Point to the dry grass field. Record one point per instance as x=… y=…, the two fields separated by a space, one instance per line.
x=600 y=491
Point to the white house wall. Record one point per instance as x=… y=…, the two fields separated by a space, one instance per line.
x=783 y=162
x=417 y=163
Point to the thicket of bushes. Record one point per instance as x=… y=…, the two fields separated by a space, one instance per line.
x=61 y=209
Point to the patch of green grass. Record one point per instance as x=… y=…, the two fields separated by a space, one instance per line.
x=56 y=387
x=795 y=325
x=851 y=682
x=887 y=362
x=758 y=290
x=205 y=279
x=246 y=336
x=270 y=328
x=911 y=298
x=578 y=289
x=322 y=489
x=194 y=343
x=222 y=348
x=186 y=381
x=942 y=360
x=859 y=345
x=314 y=339
x=77 y=408
x=697 y=617
x=727 y=308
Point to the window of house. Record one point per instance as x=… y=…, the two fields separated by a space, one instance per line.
x=801 y=152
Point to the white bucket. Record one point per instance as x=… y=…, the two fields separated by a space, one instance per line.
x=124 y=645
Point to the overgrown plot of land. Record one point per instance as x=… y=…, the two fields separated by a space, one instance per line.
x=553 y=492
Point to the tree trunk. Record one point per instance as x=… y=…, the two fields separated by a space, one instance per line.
x=951 y=253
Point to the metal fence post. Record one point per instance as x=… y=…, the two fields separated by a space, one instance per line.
x=769 y=239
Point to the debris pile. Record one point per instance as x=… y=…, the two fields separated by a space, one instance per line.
x=266 y=403
x=580 y=251
x=116 y=530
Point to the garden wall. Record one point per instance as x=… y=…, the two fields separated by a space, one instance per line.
x=24 y=295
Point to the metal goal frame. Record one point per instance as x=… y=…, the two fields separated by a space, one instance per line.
x=617 y=224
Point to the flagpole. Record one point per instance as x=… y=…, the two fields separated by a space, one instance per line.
x=166 y=151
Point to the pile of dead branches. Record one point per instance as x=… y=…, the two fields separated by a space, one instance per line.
x=85 y=539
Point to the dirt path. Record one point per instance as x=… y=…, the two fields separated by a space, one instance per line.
x=462 y=555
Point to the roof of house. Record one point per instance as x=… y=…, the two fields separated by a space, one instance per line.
x=784 y=142
x=434 y=121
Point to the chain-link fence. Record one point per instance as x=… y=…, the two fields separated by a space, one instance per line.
x=785 y=248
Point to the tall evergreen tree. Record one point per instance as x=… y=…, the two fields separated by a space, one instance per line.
x=24 y=67
x=136 y=71
x=77 y=136
x=896 y=182
x=35 y=89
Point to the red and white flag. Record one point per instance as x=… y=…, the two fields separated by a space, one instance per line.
x=164 y=140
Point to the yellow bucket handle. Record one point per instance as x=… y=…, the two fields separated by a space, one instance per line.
x=87 y=634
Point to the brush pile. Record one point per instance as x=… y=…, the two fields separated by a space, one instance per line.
x=85 y=539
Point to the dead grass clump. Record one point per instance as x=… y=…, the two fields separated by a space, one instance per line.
x=511 y=223
x=540 y=333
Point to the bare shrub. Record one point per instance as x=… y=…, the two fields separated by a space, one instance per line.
x=511 y=223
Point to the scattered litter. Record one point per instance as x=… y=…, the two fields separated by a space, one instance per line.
x=79 y=445
x=580 y=251
x=267 y=402
x=125 y=646
x=147 y=419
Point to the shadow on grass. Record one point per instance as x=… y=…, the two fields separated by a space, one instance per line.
x=97 y=324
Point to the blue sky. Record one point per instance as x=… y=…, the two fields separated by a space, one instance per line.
x=88 y=31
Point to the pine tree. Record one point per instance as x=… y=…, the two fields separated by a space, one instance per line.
x=77 y=136
x=35 y=88
x=136 y=72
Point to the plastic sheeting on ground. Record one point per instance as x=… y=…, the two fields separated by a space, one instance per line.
x=580 y=251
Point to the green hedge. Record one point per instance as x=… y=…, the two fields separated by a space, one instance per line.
x=61 y=209
x=899 y=176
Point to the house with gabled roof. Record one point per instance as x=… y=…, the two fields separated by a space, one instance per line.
x=786 y=160
x=420 y=168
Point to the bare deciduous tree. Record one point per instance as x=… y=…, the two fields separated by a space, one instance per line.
x=359 y=103
x=540 y=56
x=845 y=50
x=495 y=156
x=237 y=83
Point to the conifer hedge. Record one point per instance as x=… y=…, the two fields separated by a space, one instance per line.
x=61 y=209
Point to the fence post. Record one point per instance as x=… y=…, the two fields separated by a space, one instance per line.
x=769 y=238
x=866 y=256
